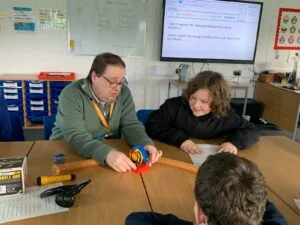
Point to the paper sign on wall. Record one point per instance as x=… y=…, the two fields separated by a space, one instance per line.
x=52 y=19
x=24 y=19
x=288 y=29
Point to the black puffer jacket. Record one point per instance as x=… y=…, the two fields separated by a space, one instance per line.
x=174 y=122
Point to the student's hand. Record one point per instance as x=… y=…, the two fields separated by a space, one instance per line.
x=154 y=153
x=119 y=161
x=227 y=147
x=190 y=147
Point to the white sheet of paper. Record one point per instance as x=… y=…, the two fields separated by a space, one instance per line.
x=297 y=202
x=29 y=205
x=207 y=150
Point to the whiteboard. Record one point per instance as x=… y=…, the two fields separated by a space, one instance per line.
x=117 y=26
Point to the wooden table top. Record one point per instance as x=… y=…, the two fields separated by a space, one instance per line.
x=290 y=215
x=12 y=149
x=111 y=196
x=279 y=160
x=108 y=199
x=173 y=152
x=274 y=155
x=171 y=190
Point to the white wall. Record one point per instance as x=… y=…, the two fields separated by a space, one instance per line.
x=148 y=78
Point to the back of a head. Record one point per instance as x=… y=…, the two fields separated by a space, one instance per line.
x=230 y=190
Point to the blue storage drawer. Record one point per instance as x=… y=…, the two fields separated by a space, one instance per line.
x=55 y=95
x=15 y=108
x=37 y=108
x=53 y=111
x=11 y=83
x=59 y=84
x=12 y=101
x=19 y=113
x=9 y=96
x=35 y=90
x=36 y=102
x=35 y=84
x=31 y=99
x=35 y=118
x=55 y=90
x=36 y=96
x=54 y=107
x=11 y=90
x=36 y=113
x=54 y=101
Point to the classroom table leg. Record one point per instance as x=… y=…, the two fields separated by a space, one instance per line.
x=245 y=102
x=169 y=89
x=296 y=122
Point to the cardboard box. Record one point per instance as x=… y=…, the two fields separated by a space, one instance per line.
x=12 y=175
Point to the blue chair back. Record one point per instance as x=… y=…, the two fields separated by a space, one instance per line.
x=48 y=125
x=17 y=125
x=5 y=124
x=11 y=127
x=143 y=115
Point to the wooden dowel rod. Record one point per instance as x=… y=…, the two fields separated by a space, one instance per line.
x=69 y=167
x=178 y=164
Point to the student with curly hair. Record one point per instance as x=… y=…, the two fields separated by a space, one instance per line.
x=203 y=111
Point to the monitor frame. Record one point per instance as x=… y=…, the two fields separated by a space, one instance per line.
x=212 y=60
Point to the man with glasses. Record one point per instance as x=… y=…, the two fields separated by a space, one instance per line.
x=99 y=107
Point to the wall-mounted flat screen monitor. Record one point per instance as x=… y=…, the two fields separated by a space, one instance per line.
x=218 y=31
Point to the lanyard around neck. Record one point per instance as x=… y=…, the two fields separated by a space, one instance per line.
x=101 y=116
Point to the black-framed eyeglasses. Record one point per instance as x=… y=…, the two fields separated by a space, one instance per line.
x=114 y=84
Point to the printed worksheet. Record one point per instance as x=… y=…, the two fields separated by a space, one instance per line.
x=29 y=205
x=207 y=150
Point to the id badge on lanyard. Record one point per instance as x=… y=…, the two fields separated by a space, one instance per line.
x=102 y=118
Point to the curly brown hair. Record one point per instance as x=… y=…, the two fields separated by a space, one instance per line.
x=218 y=90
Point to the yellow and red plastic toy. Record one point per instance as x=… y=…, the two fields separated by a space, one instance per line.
x=140 y=157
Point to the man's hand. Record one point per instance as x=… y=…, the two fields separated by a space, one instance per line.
x=154 y=153
x=227 y=147
x=119 y=161
x=190 y=147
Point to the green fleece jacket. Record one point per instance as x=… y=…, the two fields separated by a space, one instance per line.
x=78 y=123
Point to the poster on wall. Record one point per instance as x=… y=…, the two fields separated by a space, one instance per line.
x=288 y=29
x=24 y=19
x=52 y=19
